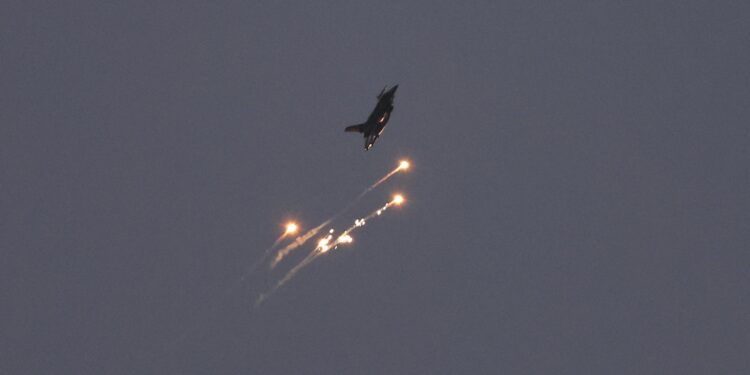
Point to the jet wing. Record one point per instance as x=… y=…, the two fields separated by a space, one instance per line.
x=359 y=128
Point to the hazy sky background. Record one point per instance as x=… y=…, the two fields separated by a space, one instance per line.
x=579 y=202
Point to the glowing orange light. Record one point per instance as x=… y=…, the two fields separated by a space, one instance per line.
x=398 y=199
x=403 y=165
x=291 y=227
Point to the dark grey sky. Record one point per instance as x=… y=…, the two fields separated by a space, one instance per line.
x=579 y=202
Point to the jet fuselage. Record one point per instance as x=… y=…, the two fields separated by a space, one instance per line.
x=378 y=119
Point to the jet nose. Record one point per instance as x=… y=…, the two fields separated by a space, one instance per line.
x=393 y=90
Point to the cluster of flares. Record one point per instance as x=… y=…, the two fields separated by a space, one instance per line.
x=326 y=243
x=403 y=166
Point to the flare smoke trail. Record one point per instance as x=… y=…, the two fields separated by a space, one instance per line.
x=403 y=165
x=324 y=245
x=291 y=228
x=299 y=241
x=308 y=259
x=260 y=260
x=398 y=199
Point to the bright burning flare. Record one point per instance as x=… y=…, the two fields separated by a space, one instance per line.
x=291 y=228
x=325 y=243
x=345 y=239
x=403 y=165
x=398 y=199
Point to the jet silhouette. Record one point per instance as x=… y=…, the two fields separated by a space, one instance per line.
x=375 y=124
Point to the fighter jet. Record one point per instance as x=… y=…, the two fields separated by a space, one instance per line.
x=373 y=127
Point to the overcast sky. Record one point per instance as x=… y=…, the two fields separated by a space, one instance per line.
x=579 y=202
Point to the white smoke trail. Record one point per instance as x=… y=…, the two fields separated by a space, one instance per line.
x=299 y=241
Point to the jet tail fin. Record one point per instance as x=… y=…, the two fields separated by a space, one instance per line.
x=382 y=92
x=355 y=128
